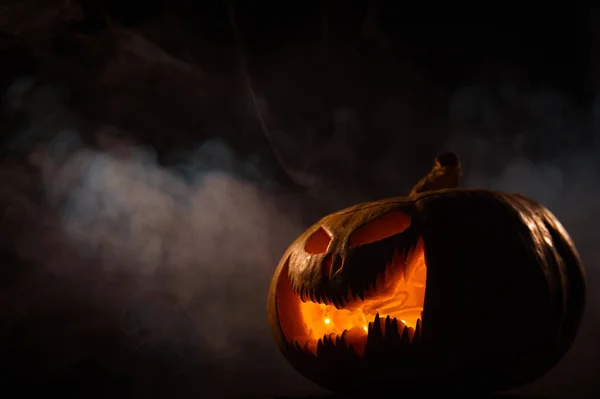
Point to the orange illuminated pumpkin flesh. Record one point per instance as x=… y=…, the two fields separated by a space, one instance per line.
x=392 y=307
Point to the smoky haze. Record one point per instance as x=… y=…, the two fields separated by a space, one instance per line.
x=134 y=268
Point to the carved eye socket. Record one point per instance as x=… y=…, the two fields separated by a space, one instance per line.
x=318 y=242
x=384 y=226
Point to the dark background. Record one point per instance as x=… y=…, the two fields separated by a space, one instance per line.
x=157 y=157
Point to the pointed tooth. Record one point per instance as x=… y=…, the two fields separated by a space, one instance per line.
x=321 y=298
x=348 y=295
x=332 y=300
x=389 y=271
x=343 y=337
x=404 y=337
x=375 y=327
x=361 y=295
x=418 y=331
x=337 y=303
x=380 y=281
x=320 y=347
x=411 y=334
x=343 y=301
x=371 y=287
x=306 y=295
x=391 y=330
x=388 y=323
x=315 y=297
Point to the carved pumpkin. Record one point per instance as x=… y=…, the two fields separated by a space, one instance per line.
x=446 y=289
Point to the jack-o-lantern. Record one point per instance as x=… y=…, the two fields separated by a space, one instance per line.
x=445 y=289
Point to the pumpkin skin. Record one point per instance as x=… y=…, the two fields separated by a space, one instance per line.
x=484 y=291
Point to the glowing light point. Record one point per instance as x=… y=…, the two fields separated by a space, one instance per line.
x=365 y=328
x=327 y=321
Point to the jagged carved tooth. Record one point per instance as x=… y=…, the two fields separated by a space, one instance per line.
x=388 y=323
x=379 y=280
x=337 y=303
x=320 y=346
x=374 y=329
x=342 y=338
x=373 y=281
x=361 y=295
x=317 y=298
x=302 y=295
x=308 y=294
x=349 y=295
x=389 y=270
x=332 y=300
x=405 y=337
x=391 y=330
x=411 y=334
x=313 y=296
x=403 y=272
x=418 y=331
x=371 y=287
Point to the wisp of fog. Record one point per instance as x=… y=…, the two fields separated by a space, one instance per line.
x=123 y=273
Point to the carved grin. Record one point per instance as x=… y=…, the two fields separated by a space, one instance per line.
x=380 y=310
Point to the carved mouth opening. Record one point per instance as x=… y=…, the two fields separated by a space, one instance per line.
x=386 y=314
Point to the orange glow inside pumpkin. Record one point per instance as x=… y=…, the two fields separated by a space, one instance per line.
x=399 y=292
x=402 y=297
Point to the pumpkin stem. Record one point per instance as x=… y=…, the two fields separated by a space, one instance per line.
x=446 y=173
